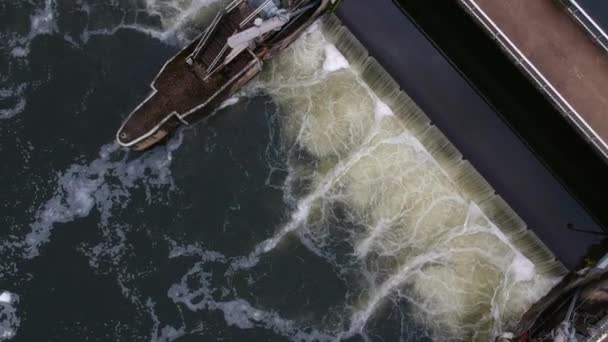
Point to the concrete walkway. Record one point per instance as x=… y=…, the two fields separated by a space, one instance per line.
x=548 y=43
x=472 y=126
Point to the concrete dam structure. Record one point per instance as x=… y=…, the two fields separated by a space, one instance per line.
x=503 y=159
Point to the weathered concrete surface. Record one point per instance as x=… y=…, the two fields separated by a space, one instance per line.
x=561 y=50
x=472 y=126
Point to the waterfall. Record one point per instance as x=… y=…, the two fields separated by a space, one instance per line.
x=424 y=225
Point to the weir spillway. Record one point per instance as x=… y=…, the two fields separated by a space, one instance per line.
x=379 y=192
x=468 y=121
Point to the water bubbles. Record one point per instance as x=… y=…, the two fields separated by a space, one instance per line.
x=334 y=60
x=42 y=22
x=173 y=22
x=522 y=268
x=9 y=321
x=14 y=99
x=422 y=237
x=103 y=184
x=7 y=298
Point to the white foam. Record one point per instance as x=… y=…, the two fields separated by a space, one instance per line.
x=323 y=189
x=334 y=60
x=9 y=321
x=6 y=298
x=266 y=246
x=522 y=268
x=314 y=27
x=8 y=334
x=420 y=237
x=176 y=18
x=105 y=184
x=382 y=110
x=20 y=51
x=109 y=253
x=195 y=250
x=237 y=311
x=165 y=334
x=364 y=246
x=16 y=95
x=84 y=187
x=229 y=102
x=41 y=23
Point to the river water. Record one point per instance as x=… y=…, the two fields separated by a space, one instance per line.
x=316 y=205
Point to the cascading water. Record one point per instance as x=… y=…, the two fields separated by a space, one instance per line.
x=320 y=205
x=416 y=231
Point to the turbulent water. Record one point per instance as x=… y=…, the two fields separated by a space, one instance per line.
x=318 y=205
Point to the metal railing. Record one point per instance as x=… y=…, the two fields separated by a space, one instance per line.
x=580 y=15
x=233 y=5
x=537 y=77
x=255 y=13
x=207 y=34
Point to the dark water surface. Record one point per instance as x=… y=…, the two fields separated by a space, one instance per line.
x=598 y=10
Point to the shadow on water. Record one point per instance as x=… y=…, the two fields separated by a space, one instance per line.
x=515 y=99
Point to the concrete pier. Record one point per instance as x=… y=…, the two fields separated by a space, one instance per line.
x=472 y=126
x=557 y=50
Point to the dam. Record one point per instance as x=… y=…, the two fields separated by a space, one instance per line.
x=331 y=199
x=527 y=191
